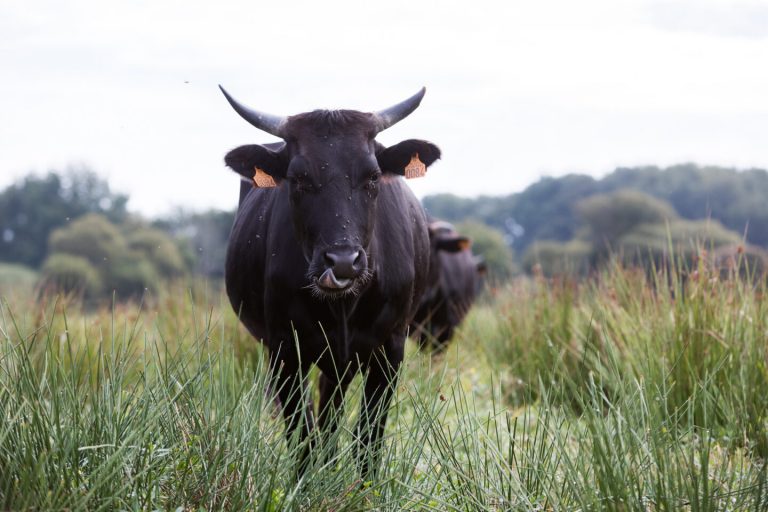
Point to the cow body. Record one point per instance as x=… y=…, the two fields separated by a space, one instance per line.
x=328 y=257
x=453 y=283
x=266 y=279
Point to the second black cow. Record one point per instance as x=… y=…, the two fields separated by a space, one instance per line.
x=454 y=279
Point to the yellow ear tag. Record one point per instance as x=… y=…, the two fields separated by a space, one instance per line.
x=415 y=168
x=262 y=179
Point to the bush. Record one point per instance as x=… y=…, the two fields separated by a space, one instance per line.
x=127 y=264
x=611 y=216
x=70 y=274
x=652 y=242
x=558 y=258
x=155 y=246
x=131 y=276
x=33 y=207
x=91 y=237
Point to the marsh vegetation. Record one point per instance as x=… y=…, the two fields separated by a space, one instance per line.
x=627 y=391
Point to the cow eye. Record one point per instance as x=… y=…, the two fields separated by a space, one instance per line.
x=373 y=180
x=301 y=183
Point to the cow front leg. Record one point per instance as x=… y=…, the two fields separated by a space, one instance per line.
x=332 y=391
x=380 y=383
x=290 y=380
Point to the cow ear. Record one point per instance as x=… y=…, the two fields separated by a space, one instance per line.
x=409 y=158
x=453 y=244
x=262 y=166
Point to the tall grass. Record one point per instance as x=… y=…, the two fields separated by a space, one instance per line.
x=627 y=392
x=697 y=336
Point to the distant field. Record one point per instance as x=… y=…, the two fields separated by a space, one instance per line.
x=622 y=393
x=15 y=279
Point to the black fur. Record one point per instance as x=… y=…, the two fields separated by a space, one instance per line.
x=453 y=282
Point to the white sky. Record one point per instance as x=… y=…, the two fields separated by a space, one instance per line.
x=516 y=90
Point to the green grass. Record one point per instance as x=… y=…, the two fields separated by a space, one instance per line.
x=625 y=392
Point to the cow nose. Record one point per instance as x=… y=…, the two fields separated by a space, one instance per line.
x=345 y=263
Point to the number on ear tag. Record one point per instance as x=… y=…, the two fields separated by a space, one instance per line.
x=262 y=179
x=415 y=168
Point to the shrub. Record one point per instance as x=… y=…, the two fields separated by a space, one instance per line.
x=558 y=258
x=91 y=237
x=648 y=243
x=158 y=248
x=131 y=275
x=610 y=216
x=70 y=274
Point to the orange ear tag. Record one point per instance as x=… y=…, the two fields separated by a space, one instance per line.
x=465 y=244
x=415 y=168
x=262 y=179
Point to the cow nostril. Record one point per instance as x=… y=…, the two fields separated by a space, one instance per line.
x=345 y=263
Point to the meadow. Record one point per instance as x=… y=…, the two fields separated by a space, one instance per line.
x=630 y=390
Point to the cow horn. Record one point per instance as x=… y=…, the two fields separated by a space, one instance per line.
x=262 y=121
x=387 y=117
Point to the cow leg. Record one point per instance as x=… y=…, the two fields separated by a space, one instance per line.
x=441 y=340
x=380 y=383
x=332 y=390
x=290 y=380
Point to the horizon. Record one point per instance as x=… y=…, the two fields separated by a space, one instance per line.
x=170 y=212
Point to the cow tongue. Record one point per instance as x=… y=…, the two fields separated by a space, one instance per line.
x=328 y=280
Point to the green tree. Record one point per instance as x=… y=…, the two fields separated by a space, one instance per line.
x=71 y=274
x=128 y=259
x=546 y=209
x=201 y=238
x=612 y=215
x=157 y=247
x=558 y=258
x=36 y=205
x=652 y=242
x=92 y=237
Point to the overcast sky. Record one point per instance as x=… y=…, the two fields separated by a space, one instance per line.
x=515 y=90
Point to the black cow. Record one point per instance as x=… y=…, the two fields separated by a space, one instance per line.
x=329 y=243
x=454 y=280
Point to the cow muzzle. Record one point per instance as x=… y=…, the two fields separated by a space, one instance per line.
x=343 y=267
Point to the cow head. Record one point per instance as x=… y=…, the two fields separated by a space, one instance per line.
x=333 y=168
x=443 y=237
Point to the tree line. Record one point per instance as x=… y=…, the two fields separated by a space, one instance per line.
x=79 y=236
x=575 y=222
